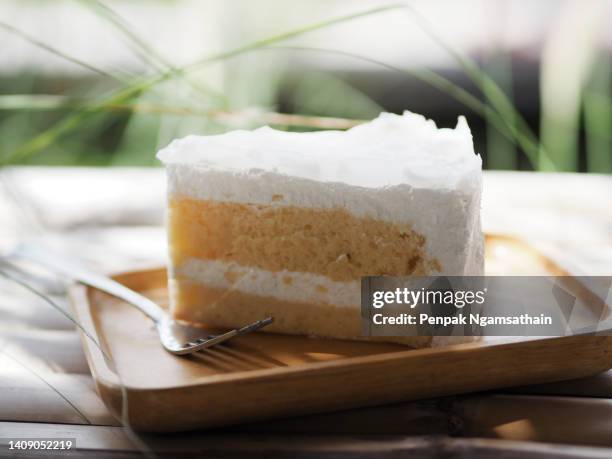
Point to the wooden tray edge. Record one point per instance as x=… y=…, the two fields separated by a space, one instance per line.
x=112 y=391
x=79 y=295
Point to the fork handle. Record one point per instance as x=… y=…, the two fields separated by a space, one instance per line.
x=73 y=270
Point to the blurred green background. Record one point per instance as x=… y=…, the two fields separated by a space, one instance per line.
x=108 y=82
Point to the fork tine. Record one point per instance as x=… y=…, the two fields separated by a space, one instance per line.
x=212 y=340
x=255 y=326
x=218 y=339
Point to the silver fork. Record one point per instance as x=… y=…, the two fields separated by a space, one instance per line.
x=176 y=338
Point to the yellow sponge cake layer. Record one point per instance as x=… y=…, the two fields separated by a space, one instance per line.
x=329 y=242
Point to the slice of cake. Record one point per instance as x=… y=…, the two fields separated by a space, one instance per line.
x=283 y=224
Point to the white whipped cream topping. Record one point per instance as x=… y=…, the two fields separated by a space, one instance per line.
x=388 y=151
x=397 y=168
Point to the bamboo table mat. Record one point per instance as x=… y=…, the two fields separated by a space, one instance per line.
x=113 y=217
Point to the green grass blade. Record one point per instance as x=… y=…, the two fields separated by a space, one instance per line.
x=428 y=77
x=501 y=152
x=15 y=102
x=139 y=46
x=597 y=102
x=324 y=94
x=72 y=122
x=60 y=54
x=291 y=34
x=569 y=56
x=492 y=92
x=44 y=102
x=146 y=52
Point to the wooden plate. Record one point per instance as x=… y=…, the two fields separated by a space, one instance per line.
x=264 y=376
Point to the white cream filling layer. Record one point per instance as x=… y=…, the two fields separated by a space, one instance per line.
x=284 y=285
